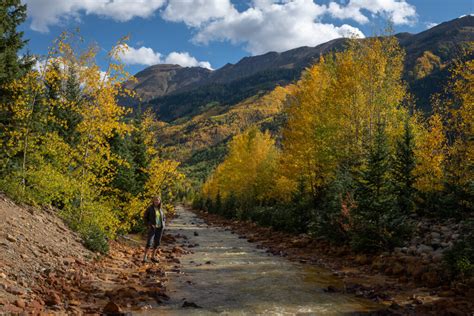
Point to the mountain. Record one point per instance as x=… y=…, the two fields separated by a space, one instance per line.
x=159 y=80
x=180 y=92
x=203 y=109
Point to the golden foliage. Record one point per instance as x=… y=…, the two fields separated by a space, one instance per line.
x=248 y=171
x=336 y=106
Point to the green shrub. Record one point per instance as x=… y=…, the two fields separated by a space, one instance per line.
x=95 y=239
x=460 y=258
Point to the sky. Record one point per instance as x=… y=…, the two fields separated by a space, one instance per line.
x=212 y=33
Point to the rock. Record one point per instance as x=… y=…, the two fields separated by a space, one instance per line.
x=15 y=290
x=53 y=299
x=20 y=303
x=331 y=289
x=424 y=249
x=437 y=256
x=112 y=308
x=69 y=261
x=416 y=270
x=361 y=259
x=35 y=305
x=446 y=244
x=435 y=235
x=411 y=250
x=435 y=243
x=398 y=268
x=74 y=303
x=178 y=249
x=187 y=304
x=11 y=238
x=447 y=293
x=431 y=279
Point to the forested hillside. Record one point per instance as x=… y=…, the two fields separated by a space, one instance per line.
x=67 y=143
x=206 y=113
x=355 y=162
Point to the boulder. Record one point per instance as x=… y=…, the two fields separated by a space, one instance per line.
x=112 y=308
x=424 y=249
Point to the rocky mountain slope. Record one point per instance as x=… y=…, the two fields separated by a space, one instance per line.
x=177 y=92
x=159 y=80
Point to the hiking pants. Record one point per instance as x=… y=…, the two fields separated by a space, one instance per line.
x=154 y=237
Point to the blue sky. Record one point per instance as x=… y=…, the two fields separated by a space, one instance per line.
x=211 y=33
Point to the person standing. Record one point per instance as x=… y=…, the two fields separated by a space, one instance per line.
x=155 y=221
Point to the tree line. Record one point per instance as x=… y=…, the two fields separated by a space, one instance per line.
x=355 y=161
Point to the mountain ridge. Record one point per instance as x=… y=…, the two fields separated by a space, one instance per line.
x=175 y=93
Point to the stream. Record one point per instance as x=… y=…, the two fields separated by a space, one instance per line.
x=227 y=275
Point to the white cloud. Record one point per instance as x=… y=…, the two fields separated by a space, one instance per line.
x=430 y=24
x=140 y=56
x=44 y=13
x=146 y=56
x=398 y=11
x=274 y=26
x=185 y=60
x=195 y=12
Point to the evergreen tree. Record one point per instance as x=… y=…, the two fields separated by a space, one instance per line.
x=12 y=14
x=403 y=166
x=377 y=222
x=218 y=203
x=70 y=114
x=230 y=206
x=12 y=67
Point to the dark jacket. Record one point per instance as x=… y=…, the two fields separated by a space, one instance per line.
x=150 y=216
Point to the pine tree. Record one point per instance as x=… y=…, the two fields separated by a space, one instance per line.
x=12 y=67
x=69 y=114
x=12 y=14
x=403 y=166
x=378 y=224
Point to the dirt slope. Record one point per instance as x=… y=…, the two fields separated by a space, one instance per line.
x=45 y=268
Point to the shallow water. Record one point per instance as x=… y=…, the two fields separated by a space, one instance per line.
x=244 y=280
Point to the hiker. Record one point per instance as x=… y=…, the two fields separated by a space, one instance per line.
x=155 y=221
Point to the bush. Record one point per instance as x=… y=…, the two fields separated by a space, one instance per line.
x=95 y=239
x=460 y=258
